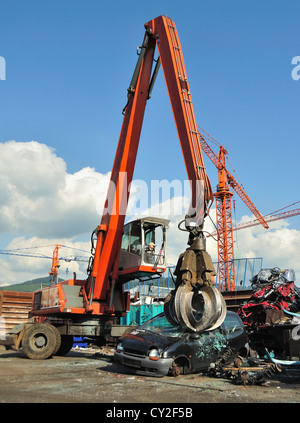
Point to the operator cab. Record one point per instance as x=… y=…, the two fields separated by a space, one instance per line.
x=143 y=250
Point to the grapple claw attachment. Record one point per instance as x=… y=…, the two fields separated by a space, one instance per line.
x=196 y=309
x=195 y=303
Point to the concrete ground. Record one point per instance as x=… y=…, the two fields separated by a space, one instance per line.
x=92 y=376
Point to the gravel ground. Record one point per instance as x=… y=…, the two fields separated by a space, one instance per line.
x=92 y=376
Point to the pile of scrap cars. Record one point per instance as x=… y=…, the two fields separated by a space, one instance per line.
x=270 y=320
x=272 y=315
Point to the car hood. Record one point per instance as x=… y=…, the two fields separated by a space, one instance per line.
x=141 y=340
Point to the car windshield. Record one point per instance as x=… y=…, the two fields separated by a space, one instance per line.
x=161 y=326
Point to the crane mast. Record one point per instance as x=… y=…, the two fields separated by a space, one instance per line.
x=223 y=196
x=55 y=264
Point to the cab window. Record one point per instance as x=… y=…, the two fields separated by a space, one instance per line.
x=125 y=238
x=149 y=236
x=135 y=238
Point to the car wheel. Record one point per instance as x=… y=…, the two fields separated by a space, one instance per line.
x=175 y=369
x=180 y=366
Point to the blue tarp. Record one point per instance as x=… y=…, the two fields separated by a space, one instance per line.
x=79 y=341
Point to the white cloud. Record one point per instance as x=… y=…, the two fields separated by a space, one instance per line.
x=19 y=268
x=278 y=246
x=42 y=204
x=39 y=197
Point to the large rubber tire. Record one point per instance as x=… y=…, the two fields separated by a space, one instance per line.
x=66 y=345
x=57 y=337
x=39 y=341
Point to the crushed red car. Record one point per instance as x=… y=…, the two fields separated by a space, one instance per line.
x=272 y=312
x=274 y=292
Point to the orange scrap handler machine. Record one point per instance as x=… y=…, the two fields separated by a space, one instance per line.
x=86 y=307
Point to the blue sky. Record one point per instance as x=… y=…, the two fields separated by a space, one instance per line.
x=69 y=64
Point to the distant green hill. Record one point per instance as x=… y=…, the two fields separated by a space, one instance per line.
x=28 y=286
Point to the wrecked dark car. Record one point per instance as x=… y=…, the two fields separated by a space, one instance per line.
x=157 y=348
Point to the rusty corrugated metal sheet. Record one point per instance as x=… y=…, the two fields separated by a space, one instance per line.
x=14 y=308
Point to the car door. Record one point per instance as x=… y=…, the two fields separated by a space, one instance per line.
x=207 y=348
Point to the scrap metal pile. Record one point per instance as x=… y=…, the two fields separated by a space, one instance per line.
x=241 y=375
x=274 y=300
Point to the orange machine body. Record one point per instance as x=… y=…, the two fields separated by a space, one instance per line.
x=103 y=291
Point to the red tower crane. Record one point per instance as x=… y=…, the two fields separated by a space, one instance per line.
x=223 y=197
x=29 y=252
x=272 y=217
x=268 y=218
x=55 y=265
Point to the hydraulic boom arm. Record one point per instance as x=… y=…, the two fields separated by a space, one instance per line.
x=194 y=267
